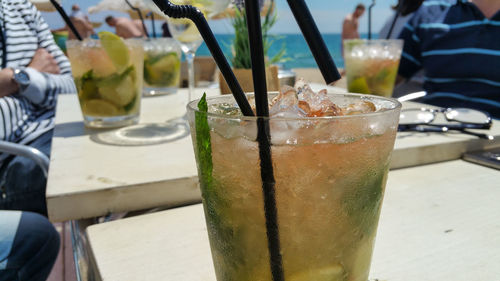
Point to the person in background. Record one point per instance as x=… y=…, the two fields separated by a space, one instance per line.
x=404 y=11
x=126 y=28
x=80 y=21
x=77 y=13
x=351 y=23
x=457 y=45
x=29 y=245
x=33 y=72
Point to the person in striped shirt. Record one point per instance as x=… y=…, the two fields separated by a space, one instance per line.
x=34 y=71
x=457 y=44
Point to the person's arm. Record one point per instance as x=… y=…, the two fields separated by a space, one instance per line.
x=411 y=57
x=46 y=80
x=7 y=84
x=345 y=28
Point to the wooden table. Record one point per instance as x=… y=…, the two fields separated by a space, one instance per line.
x=88 y=178
x=438 y=222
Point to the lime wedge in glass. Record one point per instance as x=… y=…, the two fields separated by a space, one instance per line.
x=358 y=85
x=116 y=49
x=98 y=107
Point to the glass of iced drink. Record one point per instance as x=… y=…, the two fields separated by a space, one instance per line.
x=372 y=65
x=108 y=77
x=330 y=154
x=162 y=66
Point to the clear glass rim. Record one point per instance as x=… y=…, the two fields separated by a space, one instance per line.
x=401 y=41
x=192 y=106
x=97 y=42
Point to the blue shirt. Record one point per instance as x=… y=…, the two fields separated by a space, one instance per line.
x=459 y=49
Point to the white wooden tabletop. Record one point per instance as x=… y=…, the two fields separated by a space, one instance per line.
x=89 y=178
x=438 y=222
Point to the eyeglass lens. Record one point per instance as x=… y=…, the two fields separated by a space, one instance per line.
x=416 y=116
x=466 y=115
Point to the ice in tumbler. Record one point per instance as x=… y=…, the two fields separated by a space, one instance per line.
x=330 y=156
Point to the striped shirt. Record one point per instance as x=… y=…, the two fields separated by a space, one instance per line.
x=28 y=114
x=459 y=49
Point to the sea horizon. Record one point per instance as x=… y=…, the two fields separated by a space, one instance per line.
x=297 y=53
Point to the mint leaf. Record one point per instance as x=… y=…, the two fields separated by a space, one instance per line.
x=224 y=238
x=363 y=203
x=203 y=145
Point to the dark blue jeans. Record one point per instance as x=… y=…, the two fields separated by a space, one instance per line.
x=22 y=182
x=34 y=249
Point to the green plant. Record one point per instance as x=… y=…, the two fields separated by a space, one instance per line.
x=241 y=46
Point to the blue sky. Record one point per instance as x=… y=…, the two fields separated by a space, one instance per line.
x=328 y=15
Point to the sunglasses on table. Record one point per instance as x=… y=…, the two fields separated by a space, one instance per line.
x=455 y=119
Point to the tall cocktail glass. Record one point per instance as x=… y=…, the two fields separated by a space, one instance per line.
x=372 y=65
x=330 y=175
x=162 y=66
x=108 y=75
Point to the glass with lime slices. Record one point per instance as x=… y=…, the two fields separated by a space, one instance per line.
x=372 y=65
x=162 y=66
x=108 y=74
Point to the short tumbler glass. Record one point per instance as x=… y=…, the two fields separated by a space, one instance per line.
x=109 y=87
x=330 y=175
x=372 y=65
x=162 y=66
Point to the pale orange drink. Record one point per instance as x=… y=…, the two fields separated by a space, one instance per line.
x=372 y=65
x=108 y=77
x=330 y=160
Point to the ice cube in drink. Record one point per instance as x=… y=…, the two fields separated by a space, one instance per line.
x=330 y=166
x=108 y=77
x=372 y=65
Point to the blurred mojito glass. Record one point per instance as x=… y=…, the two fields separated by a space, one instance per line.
x=162 y=66
x=372 y=65
x=330 y=155
x=108 y=74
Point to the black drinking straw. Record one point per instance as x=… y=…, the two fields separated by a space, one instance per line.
x=152 y=15
x=314 y=40
x=194 y=14
x=139 y=13
x=264 y=138
x=66 y=19
x=370 y=19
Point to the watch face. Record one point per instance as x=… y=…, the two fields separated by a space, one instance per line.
x=22 y=77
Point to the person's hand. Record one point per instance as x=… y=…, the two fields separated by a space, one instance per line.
x=44 y=62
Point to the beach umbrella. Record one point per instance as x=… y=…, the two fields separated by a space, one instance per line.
x=122 y=6
x=44 y=5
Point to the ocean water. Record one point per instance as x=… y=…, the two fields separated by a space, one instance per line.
x=297 y=51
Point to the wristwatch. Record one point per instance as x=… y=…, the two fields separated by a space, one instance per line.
x=22 y=78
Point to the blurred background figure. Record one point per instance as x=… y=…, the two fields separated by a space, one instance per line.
x=29 y=245
x=403 y=12
x=351 y=22
x=126 y=27
x=33 y=72
x=77 y=13
x=81 y=22
x=457 y=45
